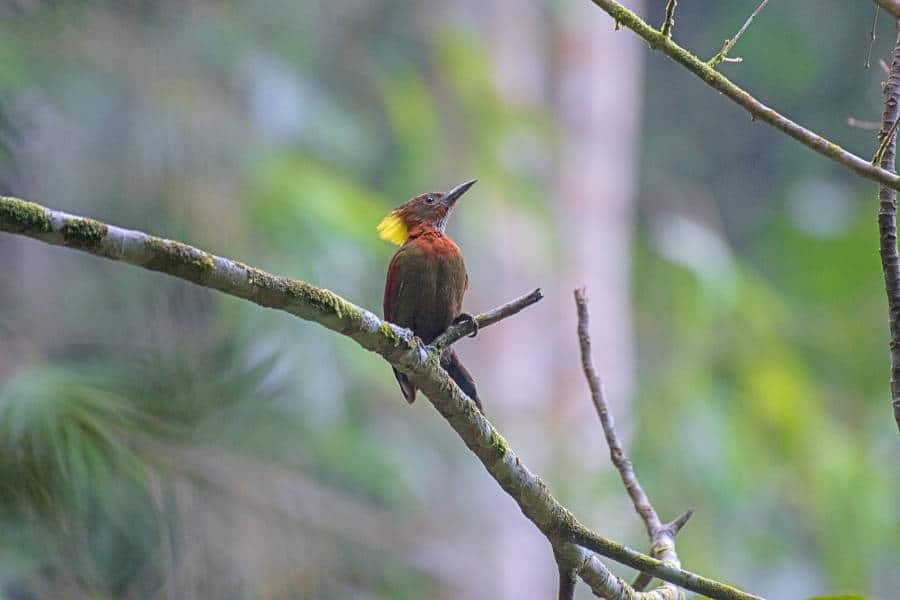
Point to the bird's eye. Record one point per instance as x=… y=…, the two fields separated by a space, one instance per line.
x=429 y=199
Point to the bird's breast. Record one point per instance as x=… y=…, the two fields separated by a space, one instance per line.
x=425 y=285
x=438 y=245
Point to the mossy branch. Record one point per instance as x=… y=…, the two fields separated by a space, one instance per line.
x=397 y=346
x=757 y=109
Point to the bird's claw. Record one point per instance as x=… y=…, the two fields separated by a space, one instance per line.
x=463 y=317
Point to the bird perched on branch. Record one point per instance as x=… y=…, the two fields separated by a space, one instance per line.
x=427 y=278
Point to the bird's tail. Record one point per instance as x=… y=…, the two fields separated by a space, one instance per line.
x=458 y=373
x=406 y=386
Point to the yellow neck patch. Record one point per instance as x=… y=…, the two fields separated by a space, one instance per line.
x=393 y=229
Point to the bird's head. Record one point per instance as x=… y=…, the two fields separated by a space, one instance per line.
x=432 y=209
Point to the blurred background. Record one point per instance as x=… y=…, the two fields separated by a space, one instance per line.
x=161 y=441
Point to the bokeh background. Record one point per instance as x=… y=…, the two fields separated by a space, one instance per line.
x=161 y=441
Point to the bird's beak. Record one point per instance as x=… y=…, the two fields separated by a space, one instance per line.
x=456 y=193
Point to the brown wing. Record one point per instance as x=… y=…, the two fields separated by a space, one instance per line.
x=396 y=304
x=401 y=290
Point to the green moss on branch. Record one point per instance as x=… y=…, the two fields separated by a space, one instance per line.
x=19 y=216
x=85 y=234
x=298 y=297
x=179 y=259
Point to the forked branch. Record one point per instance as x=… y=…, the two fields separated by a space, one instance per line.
x=662 y=536
x=722 y=55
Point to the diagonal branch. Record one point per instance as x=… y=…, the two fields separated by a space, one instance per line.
x=887 y=220
x=396 y=345
x=662 y=536
x=757 y=109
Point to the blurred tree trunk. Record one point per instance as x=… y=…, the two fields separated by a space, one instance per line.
x=599 y=104
x=596 y=98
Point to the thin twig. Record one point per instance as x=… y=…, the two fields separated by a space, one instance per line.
x=757 y=109
x=729 y=43
x=616 y=452
x=872 y=35
x=887 y=220
x=396 y=345
x=662 y=537
x=460 y=330
x=669 y=21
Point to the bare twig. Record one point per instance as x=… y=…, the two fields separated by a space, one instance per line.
x=396 y=345
x=669 y=21
x=729 y=43
x=462 y=329
x=887 y=220
x=872 y=36
x=662 y=537
x=616 y=452
x=757 y=109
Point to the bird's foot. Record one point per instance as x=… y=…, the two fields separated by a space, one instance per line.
x=463 y=317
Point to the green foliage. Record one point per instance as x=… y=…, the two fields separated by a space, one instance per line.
x=753 y=377
x=71 y=478
x=296 y=197
x=63 y=442
x=191 y=389
x=414 y=121
x=492 y=126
